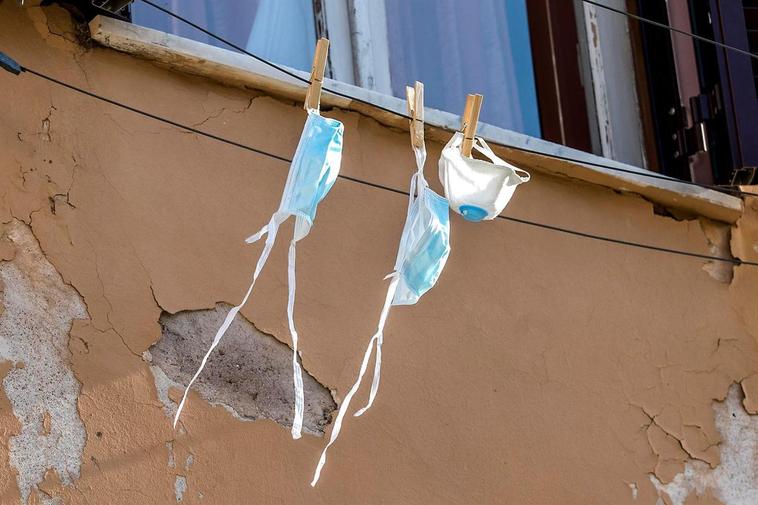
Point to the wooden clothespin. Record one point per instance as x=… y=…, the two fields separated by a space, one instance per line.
x=415 y=96
x=469 y=122
x=313 y=96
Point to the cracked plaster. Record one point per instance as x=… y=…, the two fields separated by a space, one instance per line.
x=591 y=363
x=38 y=311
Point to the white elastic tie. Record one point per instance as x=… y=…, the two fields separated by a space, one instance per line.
x=420 y=153
x=297 y=373
x=271 y=228
x=379 y=341
x=377 y=337
x=484 y=148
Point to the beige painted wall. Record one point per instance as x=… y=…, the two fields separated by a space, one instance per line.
x=542 y=369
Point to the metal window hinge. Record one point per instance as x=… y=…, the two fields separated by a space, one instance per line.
x=705 y=106
x=691 y=140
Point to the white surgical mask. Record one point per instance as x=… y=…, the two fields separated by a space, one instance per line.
x=476 y=189
x=421 y=256
x=313 y=171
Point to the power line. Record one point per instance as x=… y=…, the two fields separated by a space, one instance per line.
x=734 y=261
x=284 y=70
x=152 y=116
x=267 y=62
x=671 y=28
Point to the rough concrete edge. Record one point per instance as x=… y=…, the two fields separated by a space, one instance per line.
x=66 y=479
x=235 y=69
x=163 y=383
x=727 y=485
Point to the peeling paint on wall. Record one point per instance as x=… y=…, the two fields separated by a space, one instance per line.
x=735 y=480
x=719 y=238
x=180 y=487
x=250 y=372
x=38 y=312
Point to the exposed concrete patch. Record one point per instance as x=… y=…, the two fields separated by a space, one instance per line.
x=719 y=243
x=735 y=480
x=38 y=312
x=250 y=373
x=171 y=457
x=180 y=487
x=162 y=385
x=634 y=489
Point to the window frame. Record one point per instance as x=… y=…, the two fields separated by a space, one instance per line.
x=366 y=50
x=360 y=29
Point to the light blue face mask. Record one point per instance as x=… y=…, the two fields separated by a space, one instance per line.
x=422 y=254
x=425 y=244
x=312 y=173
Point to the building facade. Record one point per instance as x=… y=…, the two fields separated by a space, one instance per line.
x=548 y=365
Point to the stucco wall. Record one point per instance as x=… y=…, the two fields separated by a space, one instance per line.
x=542 y=369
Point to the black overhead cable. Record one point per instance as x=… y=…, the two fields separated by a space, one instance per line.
x=151 y=115
x=734 y=261
x=671 y=28
x=292 y=74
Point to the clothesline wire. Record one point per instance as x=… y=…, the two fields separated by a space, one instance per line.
x=292 y=74
x=671 y=28
x=735 y=261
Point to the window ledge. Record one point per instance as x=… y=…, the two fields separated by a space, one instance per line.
x=237 y=69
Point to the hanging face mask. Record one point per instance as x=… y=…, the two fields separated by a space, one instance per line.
x=422 y=254
x=424 y=245
x=476 y=189
x=312 y=173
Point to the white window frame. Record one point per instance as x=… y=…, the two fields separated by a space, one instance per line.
x=360 y=47
x=360 y=56
x=606 y=54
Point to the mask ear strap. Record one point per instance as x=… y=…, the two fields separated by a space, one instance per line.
x=271 y=228
x=418 y=182
x=482 y=146
x=301 y=229
x=522 y=174
x=420 y=153
x=455 y=141
x=379 y=341
x=376 y=338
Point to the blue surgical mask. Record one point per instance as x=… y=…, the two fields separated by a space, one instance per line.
x=314 y=168
x=312 y=174
x=422 y=254
x=425 y=244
